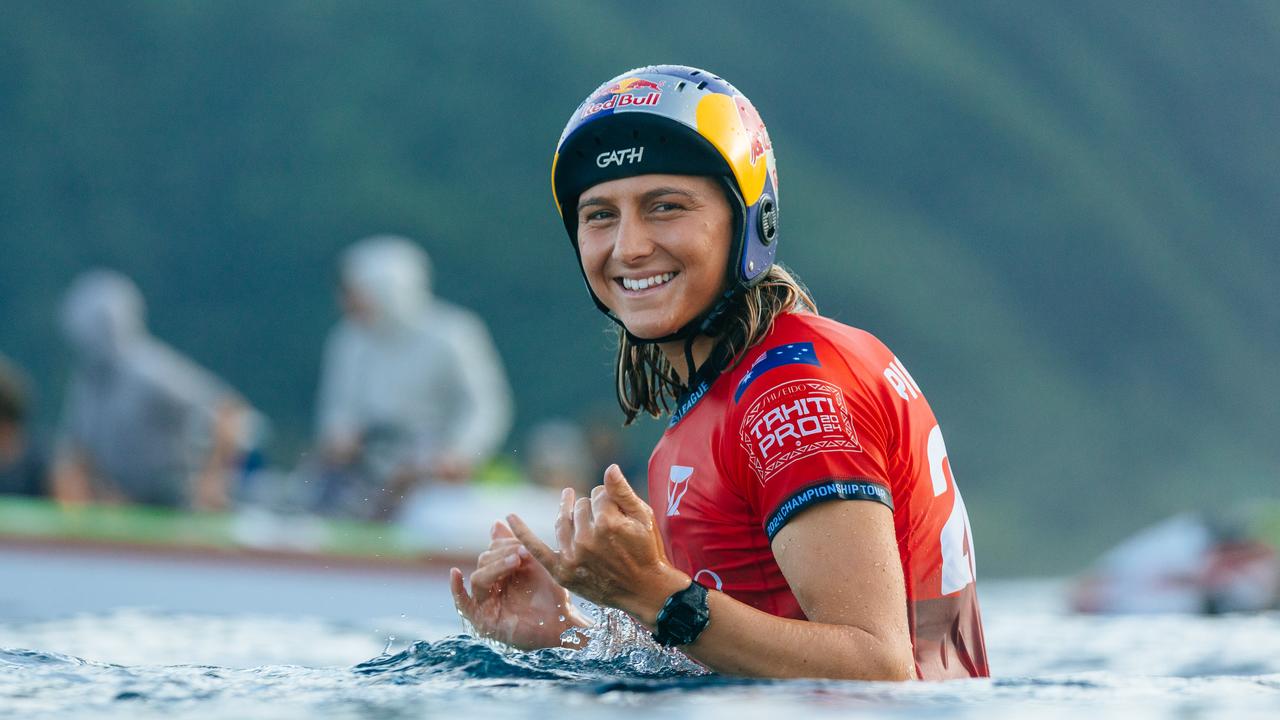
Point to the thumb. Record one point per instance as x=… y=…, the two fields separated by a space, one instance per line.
x=620 y=490
x=461 y=599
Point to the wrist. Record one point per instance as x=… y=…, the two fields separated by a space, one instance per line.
x=683 y=616
x=648 y=604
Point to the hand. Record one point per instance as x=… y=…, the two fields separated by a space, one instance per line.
x=451 y=468
x=514 y=599
x=610 y=550
x=342 y=451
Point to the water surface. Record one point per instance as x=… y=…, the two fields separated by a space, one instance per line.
x=149 y=663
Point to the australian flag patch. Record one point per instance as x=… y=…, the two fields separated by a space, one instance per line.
x=789 y=354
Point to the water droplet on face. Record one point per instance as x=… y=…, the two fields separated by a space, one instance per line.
x=562 y=618
x=541 y=623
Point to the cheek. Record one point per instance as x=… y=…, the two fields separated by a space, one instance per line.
x=593 y=257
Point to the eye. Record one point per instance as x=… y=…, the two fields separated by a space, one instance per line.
x=595 y=216
x=665 y=206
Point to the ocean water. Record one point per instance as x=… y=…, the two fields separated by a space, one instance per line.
x=144 y=663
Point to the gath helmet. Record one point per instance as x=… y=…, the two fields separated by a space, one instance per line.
x=678 y=120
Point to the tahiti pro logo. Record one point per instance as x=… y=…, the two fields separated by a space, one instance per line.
x=624 y=93
x=793 y=421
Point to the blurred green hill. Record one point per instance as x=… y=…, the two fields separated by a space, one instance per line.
x=1063 y=218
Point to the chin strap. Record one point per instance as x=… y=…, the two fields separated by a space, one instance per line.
x=708 y=323
x=690 y=370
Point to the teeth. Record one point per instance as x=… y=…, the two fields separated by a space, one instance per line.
x=646 y=283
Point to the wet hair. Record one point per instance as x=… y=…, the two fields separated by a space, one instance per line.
x=646 y=382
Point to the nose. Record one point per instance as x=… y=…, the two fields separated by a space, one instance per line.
x=632 y=242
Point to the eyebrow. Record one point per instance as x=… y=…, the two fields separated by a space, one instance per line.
x=654 y=193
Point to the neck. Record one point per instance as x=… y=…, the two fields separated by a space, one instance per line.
x=674 y=352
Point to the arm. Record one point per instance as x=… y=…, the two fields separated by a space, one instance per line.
x=855 y=601
x=210 y=489
x=337 y=428
x=611 y=553
x=70 y=483
x=484 y=419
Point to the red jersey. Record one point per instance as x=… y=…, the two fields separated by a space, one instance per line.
x=816 y=412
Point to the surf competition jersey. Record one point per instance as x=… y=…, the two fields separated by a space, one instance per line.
x=818 y=412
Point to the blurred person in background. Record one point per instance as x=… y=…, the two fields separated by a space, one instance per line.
x=605 y=447
x=23 y=465
x=412 y=390
x=558 y=455
x=141 y=423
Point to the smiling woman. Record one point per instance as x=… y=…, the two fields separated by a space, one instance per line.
x=812 y=527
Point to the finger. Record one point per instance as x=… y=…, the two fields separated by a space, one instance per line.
x=500 y=531
x=540 y=551
x=582 y=520
x=486 y=577
x=564 y=520
x=503 y=542
x=461 y=599
x=601 y=502
x=620 y=490
x=499 y=553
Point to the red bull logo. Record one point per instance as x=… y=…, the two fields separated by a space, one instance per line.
x=621 y=94
x=757 y=147
x=755 y=129
x=631 y=85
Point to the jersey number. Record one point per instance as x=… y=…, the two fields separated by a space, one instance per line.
x=956 y=538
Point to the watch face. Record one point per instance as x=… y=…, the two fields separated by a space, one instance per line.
x=683 y=617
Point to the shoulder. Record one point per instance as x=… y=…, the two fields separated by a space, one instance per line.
x=807 y=346
x=169 y=374
x=454 y=322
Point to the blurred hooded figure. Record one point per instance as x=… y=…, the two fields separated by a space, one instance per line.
x=141 y=423
x=411 y=389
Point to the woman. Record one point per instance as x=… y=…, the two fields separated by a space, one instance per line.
x=805 y=523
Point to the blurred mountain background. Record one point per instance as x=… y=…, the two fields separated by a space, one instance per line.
x=1063 y=218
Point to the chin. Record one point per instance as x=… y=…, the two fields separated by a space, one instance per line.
x=647 y=330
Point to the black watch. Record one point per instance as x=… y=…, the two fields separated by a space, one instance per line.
x=683 y=617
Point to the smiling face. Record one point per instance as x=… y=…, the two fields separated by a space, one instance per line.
x=655 y=248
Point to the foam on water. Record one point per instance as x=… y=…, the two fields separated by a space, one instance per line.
x=148 y=664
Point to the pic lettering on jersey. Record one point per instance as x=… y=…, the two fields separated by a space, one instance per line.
x=795 y=420
x=901 y=380
x=677 y=486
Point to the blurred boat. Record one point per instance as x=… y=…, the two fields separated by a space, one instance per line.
x=56 y=561
x=1189 y=563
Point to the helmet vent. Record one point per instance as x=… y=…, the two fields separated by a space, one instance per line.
x=702 y=84
x=695 y=72
x=768 y=220
x=680 y=86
